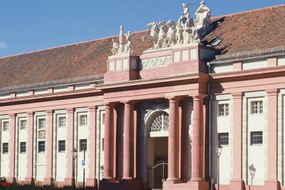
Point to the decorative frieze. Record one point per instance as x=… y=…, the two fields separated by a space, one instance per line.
x=156 y=62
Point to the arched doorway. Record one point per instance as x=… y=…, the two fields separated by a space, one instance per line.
x=157 y=149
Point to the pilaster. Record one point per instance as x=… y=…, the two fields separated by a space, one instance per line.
x=30 y=149
x=12 y=140
x=91 y=180
x=237 y=182
x=49 y=179
x=70 y=164
x=272 y=180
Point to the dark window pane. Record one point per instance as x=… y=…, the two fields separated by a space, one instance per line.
x=256 y=137
x=41 y=147
x=223 y=138
x=83 y=144
x=61 y=146
x=22 y=147
x=5 y=148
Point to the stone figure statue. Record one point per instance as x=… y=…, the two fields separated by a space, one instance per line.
x=154 y=30
x=128 y=46
x=161 y=36
x=184 y=31
x=203 y=15
x=122 y=48
x=115 y=47
x=171 y=33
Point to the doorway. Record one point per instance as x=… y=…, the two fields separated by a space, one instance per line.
x=157 y=150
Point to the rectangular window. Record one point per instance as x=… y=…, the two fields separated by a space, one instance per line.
x=61 y=146
x=23 y=124
x=61 y=121
x=42 y=134
x=41 y=123
x=256 y=107
x=83 y=144
x=5 y=125
x=224 y=138
x=256 y=137
x=41 y=146
x=83 y=120
x=223 y=109
x=5 y=148
x=103 y=118
x=22 y=147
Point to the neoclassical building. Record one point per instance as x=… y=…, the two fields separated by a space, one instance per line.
x=194 y=104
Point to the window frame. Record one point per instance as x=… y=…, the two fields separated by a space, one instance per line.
x=80 y=116
x=20 y=123
x=226 y=138
x=257 y=108
x=23 y=147
x=59 y=124
x=41 y=144
x=5 y=149
x=254 y=138
x=39 y=123
x=223 y=109
x=5 y=128
x=81 y=144
x=61 y=147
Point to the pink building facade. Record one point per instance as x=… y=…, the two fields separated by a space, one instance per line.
x=204 y=110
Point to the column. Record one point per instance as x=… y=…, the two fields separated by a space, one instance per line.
x=70 y=148
x=30 y=148
x=172 y=138
x=49 y=169
x=128 y=116
x=272 y=125
x=237 y=182
x=197 y=145
x=91 y=180
x=12 y=139
x=107 y=142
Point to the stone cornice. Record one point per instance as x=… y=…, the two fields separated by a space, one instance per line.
x=246 y=55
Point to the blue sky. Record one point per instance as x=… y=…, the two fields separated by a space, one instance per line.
x=28 y=25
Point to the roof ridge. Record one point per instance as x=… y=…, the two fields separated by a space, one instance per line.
x=248 y=11
x=65 y=45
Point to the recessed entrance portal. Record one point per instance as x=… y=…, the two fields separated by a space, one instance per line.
x=157 y=150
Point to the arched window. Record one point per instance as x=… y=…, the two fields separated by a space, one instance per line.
x=159 y=126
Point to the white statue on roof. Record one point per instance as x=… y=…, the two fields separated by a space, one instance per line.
x=122 y=48
x=203 y=16
x=184 y=31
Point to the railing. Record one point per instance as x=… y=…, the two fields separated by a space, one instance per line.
x=163 y=165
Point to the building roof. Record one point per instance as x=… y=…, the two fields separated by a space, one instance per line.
x=241 y=32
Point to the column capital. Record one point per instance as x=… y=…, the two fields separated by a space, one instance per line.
x=12 y=114
x=70 y=110
x=174 y=98
x=49 y=112
x=92 y=108
x=199 y=97
x=237 y=95
x=30 y=114
x=129 y=102
x=272 y=92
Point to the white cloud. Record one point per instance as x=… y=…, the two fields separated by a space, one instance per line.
x=3 y=45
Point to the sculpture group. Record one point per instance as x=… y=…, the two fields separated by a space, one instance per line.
x=122 y=48
x=184 y=31
x=170 y=33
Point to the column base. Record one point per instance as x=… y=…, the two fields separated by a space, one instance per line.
x=69 y=181
x=106 y=184
x=11 y=179
x=48 y=181
x=237 y=184
x=91 y=182
x=193 y=185
x=272 y=184
x=29 y=180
